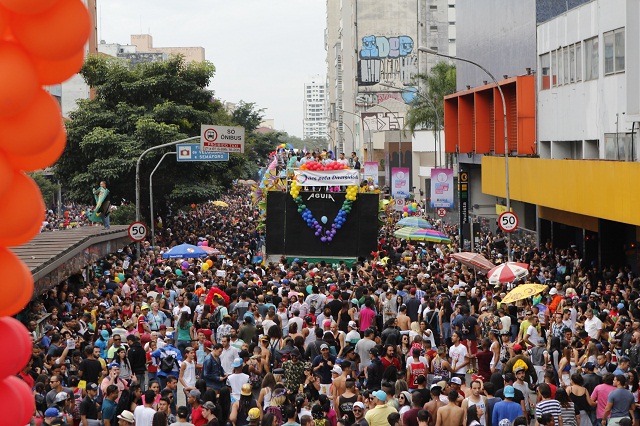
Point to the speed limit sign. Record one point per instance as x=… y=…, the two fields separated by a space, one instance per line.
x=137 y=231
x=508 y=221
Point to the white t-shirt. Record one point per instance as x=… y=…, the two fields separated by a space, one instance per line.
x=226 y=358
x=178 y=309
x=591 y=326
x=533 y=334
x=457 y=355
x=235 y=381
x=143 y=415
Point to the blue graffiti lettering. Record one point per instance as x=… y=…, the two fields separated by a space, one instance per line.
x=381 y=47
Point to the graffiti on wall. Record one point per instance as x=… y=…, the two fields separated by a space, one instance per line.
x=381 y=121
x=387 y=60
x=370 y=99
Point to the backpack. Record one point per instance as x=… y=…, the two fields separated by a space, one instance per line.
x=167 y=363
x=216 y=321
x=537 y=355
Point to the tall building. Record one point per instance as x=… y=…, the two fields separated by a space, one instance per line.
x=373 y=57
x=144 y=44
x=314 y=106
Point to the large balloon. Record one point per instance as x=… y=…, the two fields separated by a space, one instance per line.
x=14 y=295
x=6 y=173
x=53 y=72
x=42 y=159
x=12 y=335
x=16 y=401
x=44 y=111
x=21 y=211
x=209 y=262
x=4 y=19
x=18 y=79
x=205 y=267
x=65 y=26
x=27 y=6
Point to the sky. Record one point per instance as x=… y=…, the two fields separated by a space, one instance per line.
x=263 y=50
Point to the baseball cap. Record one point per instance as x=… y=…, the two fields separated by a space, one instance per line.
x=254 y=414
x=381 y=395
x=374 y=352
x=358 y=404
x=246 y=389
x=237 y=363
x=518 y=369
x=336 y=369
x=509 y=392
x=52 y=412
x=324 y=346
x=209 y=406
x=195 y=393
x=162 y=327
x=435 y=385
x=92 y=386
x=456 y=380
x=352 y=324
x=517 y=347
x=207 y=344
x=589 y=366
x=553 y=291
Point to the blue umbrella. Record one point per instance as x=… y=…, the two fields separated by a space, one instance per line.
x=184 y=251
x=415 y=221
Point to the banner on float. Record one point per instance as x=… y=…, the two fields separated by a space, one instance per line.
x=442 y=188
x=371 y=171
x=345 y=177
x=400 y=182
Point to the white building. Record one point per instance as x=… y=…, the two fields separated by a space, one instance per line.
x=589 y=82
x=315 y=108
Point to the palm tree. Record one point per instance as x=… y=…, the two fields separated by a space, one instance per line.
x=440 y=82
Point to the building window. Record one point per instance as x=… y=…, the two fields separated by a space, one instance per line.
x=565 y=64
x=433 y=28
x=591 y=58
x=554 y=68
x=433 y=7
x=572 y=64
x=614 y=51
x=545 y=75
x=578 y=62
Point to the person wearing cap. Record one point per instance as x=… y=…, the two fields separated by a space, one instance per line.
x=253 y=416
x=353 y=336
x=377 y=416
x=237 y=379
x=322 y=365
x=143 y=322
x=293 y=371
x=451 y=414
x=591 y=379
x=374 y=371
x=50 y=415
x=435 y=392
x=126 y=418
x=507 y=409
x=530 y=372
x=359 y=409
x=88 y=407
x=240 y=409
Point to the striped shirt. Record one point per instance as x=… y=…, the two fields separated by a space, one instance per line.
x=550 y=406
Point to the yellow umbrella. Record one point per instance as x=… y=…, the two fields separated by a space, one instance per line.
x=220 y=204
x=523 y=291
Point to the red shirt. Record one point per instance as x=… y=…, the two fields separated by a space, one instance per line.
x=394 y=361
x=207 y=332
x=141 y=320
x=196 y=417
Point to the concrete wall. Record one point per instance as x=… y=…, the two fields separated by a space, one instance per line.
x=584 y=110
x=144 y=44
x=499 y=35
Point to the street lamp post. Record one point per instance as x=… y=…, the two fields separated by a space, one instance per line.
x=153 y=148
x=364 y=123
x=506 y=139
x=153 y=222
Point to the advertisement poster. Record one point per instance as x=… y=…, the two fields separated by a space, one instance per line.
x=400 y=182
x=371 y=171
x=442 y=188
x=328 y=178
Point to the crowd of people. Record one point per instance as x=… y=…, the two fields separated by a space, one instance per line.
x=407 y=337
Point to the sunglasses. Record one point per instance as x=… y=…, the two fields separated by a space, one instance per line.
x=356 y=409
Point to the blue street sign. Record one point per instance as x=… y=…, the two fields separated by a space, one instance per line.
x=191 y=152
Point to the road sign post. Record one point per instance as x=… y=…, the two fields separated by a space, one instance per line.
x=508 y=221
x=192 y=152
x=137 y=231
x=221 y=139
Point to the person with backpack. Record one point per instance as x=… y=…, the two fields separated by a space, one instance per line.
x=538 y=355
x=167 y=359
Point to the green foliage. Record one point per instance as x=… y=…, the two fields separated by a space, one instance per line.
x=139 y=108
x=247 y=116
x=48 y=189
x=123 y=215
x=440 y=82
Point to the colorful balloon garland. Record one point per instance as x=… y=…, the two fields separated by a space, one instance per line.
x=325 y=235
x=38 y=46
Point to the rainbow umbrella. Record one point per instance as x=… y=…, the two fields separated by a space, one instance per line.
x=418 y=234
x=416 y=222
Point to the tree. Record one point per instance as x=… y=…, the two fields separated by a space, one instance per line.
x=135 y=109
x=440 y=82
x=48 y=189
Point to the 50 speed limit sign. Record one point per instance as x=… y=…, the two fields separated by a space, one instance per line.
x=137 y=231
x=508 y=221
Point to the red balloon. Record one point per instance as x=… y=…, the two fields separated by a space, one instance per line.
x=4 y=19
x=16 y=136
x=16 y=401
x=15 y=295
x=42 y=159
x=54 y=72
x=6 y=173
x=21 y=212
x=12 y=336
x=27 y=7
x=58 y=33
x=18 y=80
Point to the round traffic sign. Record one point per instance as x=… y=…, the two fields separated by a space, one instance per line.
x=442 y=212
x=210 y=135
x=137 y=231
x=508 y=221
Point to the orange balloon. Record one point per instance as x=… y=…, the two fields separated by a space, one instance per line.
x=56 y=34
x=33 y=129
x=27 y=7
x=17 y=294
x=21 y=212
x=54 y=72
x=42 y=159
x=4 y=19
x=6 y=173
x=18 y=80
x=209 y=262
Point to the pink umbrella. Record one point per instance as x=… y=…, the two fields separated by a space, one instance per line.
x=508 y=272
x=210 y=250
x=473 y=260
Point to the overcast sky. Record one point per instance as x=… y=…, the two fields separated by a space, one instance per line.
x=264 y=50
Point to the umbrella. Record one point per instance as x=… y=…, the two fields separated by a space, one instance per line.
x=523 y=291
x=184 y=251
x=210 y=250
x=416 y=222
x=417 y=234
x=508 y=272
x=473 y=260
x=220 y=204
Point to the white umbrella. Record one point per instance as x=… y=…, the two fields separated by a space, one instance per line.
x=508 y=272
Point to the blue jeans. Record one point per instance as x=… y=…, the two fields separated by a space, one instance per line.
x=106 y=221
